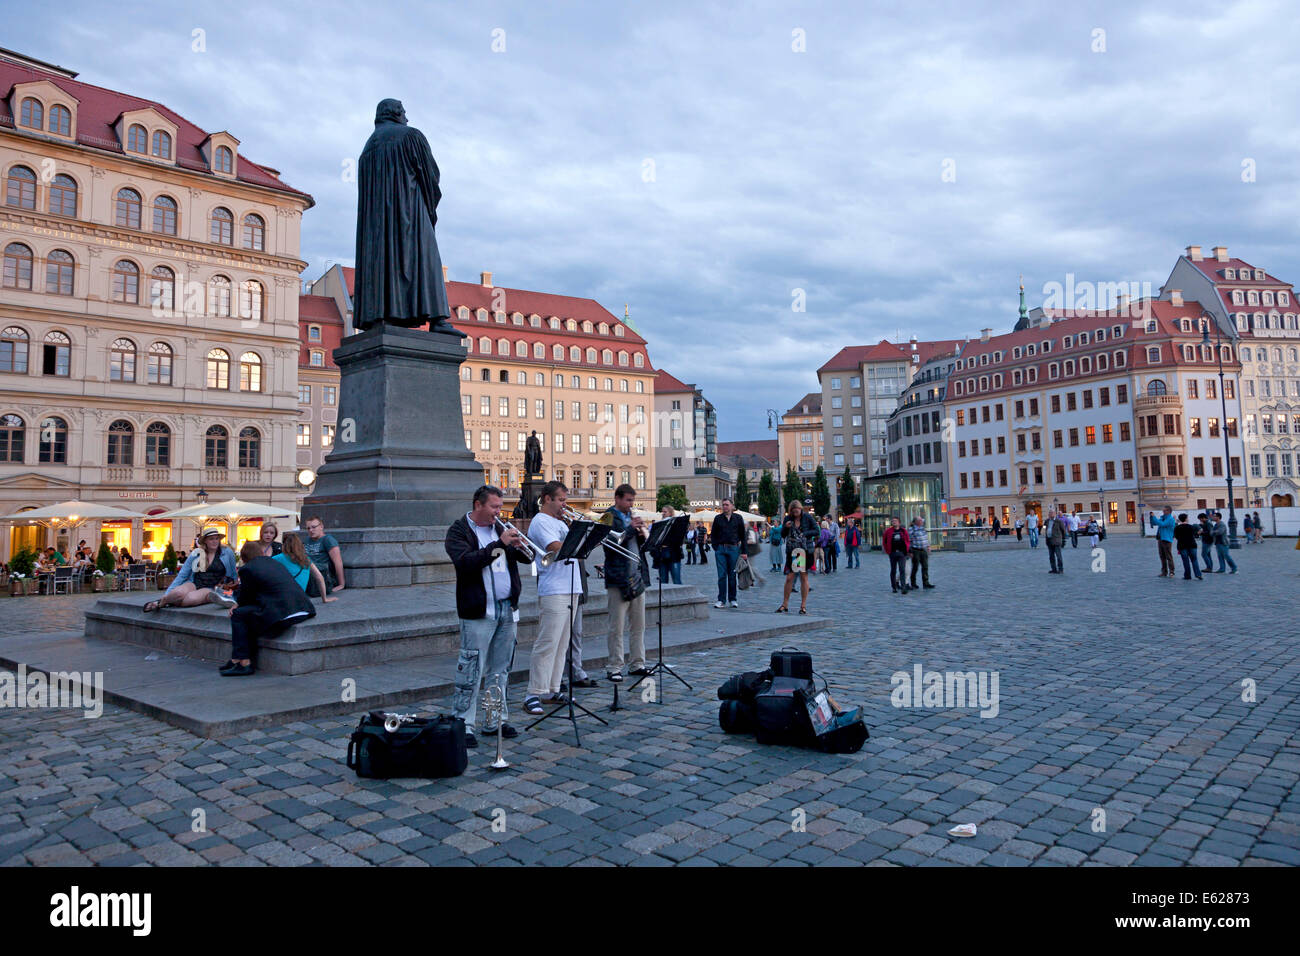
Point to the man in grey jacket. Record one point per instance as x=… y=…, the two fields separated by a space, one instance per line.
x=919 y=539
x=1219 y=532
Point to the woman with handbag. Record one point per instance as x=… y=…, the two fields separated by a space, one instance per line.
x=799 y=533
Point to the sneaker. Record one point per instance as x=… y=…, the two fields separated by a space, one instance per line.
x=221 y=600
x=507 y=732
x=227 y=665
x=734 y=604
x=470 y=739
x=239 y=670
x=930 y=586
x=719 y=604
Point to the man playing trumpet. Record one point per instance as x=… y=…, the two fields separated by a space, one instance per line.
x=487 y=603
x=559 y=585
x=625 y=584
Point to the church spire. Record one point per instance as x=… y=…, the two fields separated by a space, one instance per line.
x=1024 y=316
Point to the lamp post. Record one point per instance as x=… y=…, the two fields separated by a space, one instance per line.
x=1101 y=493
x=202 y=496
x=1207 y=320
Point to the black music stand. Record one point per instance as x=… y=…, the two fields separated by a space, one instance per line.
x=583 y=538
x=664 y=534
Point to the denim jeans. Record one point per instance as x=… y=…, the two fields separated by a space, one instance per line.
x=1206 y=555
x=851 y=557
x=673 y=570
x=777 y=555
x=726 y=557
x=1033 y=537
x=1224 y=557
x=1190 y=567
x=487 y=649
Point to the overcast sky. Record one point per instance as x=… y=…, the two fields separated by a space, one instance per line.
x=901 y=169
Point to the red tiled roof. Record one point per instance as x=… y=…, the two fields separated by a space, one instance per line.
x=764 y=448
x=814 y=402
x=319 y=308
x=665 y=382
x=98 y=109
x=1213 y=269
x=851 y=357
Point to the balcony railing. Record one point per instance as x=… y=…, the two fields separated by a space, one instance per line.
x=251 y=476
x=1172 y=400
x=124 y=473
x=158 y=476
x=216 y=476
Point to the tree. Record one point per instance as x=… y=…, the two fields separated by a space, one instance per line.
x=169 y=558
x=104 y=559
x=741 y=497
x=848 y=493
x=793 y=490
x=674 y=495
x=821 y=493
x=769 y=500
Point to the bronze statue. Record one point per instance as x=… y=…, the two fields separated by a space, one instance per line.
x=399 y=271
x=533 y=457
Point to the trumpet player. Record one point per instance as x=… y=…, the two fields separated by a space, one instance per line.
x=487 y=603
x=625 y=586
x=559 y=586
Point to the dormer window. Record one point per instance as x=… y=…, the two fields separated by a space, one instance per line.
x=1268 y=298
x=1252 y=297
x=1283 y=298
x=1238 y=298
x=1117 y=332
x=313 y=333
x=137 y=139
x=1067 y=341
x=32 y=114
x=1083 y=338
x=1101 y=335
x=1185 y=324
x=60 y=120
x=1151 y=325
x=162 y=144
x=224 y=160
x=1230 y=273
x=1259 y=273
x=618 y=330
x=1030 y=349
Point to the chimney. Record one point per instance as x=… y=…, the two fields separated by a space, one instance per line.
x=1175 y=296
x=913 y=343
x=1194 y=253
x=444 y=273
x=984 y=334
x=1221 y=253
x=485 y=279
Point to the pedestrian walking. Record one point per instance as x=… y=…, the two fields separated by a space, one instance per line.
x=774 y=547
x=1164 y=539
x=1205 y=532
x=997 y=527
x=1056 y=530
x=919 y=541
x=1221 y=544
x=1186 y=535
x=690 y=545
x=1031 y=528
x=1074 y=528
x=1020 y=529
x=1248 y=528
x=834 y=554
x=798 y=534
x=852 y=541
x=897 y=545
x=1093 y=531
x=1259 y=529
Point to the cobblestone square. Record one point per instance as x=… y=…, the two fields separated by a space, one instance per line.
x=1139 y=721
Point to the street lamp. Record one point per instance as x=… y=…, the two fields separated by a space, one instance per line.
x=202 y=496
x=773 y=418
x=1101 y=494
x=1207 y=320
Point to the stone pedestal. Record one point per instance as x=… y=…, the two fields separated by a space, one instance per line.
x=530 y=494
x=399 y=472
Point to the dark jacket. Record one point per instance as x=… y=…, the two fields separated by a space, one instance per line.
x=1186 y=534
x=1206 y=530
x=727 y=530
x=264 y=584
x=804 y=536
x=617 y=573
x=470 y=560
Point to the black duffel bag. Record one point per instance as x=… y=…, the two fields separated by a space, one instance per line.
x=780 y=712
x=744 y=686
x=736 y=716
x=420 y=747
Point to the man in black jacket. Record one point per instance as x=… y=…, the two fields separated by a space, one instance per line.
x=728 y=538
x=625 y=587
x=269 y=601
x=486 y=564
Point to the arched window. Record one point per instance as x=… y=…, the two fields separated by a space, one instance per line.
x=32 y=114
x=539 y=350
x=638 y=360
x=164 y=215
x=587 y=326
x=221 y=226
x=503 y=346
x=121 y=361
x=317 y=359
x=60 y=120
x=462 y=313
x=250 y=372
x=485 y=345
x=251 y=296
x=137 y=139
x=618 y=330
x=127 y=208
x=56 y=355
x=250 y=448
x=521 y=349
x=557 y=353
x=516 y=318
x=575 y=354
x=121 y=443
x=591 y=355
x=622 y=358
x=13 y=435
x=63 y=196
x=1157 y=387
x=216 y=450
x=158 y=445
x=126 y=282
x=219 y=296
x=13 y=350
x=159 y=368
x=254 y=232
x=18 y=266
x=162 y=289
x=218 y=368
x=609 y=385
x=553 y=322
x=225 y=160
x=53 y=446
x=571 y=324
x=481 y=315
x=606 y=357
x=20 y=188
x=162 y=144
x=604 y=328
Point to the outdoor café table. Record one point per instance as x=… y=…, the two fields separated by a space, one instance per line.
x=44 y=582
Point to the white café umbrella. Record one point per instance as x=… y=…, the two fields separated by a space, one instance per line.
x=73 y=514
x=231 y=511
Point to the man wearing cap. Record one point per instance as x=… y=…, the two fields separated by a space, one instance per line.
x=209 y=565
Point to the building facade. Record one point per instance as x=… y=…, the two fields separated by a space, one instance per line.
x=753 y=458
x=801 y=439
x=320 y=330
x=1259 y=312
x=149 y=317
x=915 y=430
x=686 y=442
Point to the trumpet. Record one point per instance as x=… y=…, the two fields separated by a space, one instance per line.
x=524 y=544
x=569 y=515
x=392 y=722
